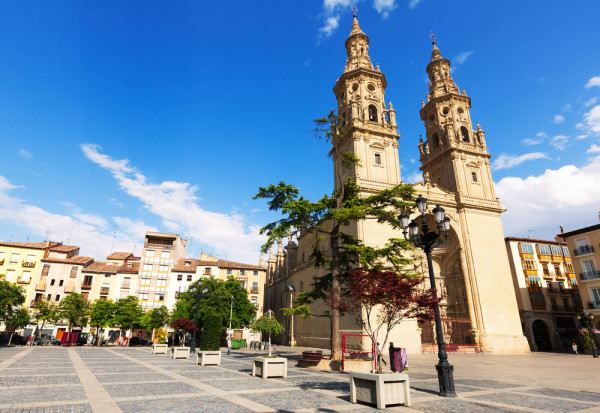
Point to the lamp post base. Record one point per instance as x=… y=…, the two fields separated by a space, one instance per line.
x=446 y=379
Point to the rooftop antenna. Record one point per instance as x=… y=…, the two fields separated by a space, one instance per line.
x=133 y=250
x=46 y=237
x=112 y=248
x=529 y=230
x=71 y=233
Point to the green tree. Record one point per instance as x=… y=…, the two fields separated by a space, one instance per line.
x=267 y=324
x=12 y=298
x=102 y=314
x=330 y=220
x=128 y=314
x=216 y=301
x=211 y=333
x=45 y=311
x=156 y=318
x=18 y=319
x=74 y=309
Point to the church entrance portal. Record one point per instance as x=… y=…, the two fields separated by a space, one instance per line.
x=541 y=335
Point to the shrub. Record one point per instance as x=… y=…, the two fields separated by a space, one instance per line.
x=211 y=333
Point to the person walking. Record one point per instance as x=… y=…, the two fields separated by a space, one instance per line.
x=574 y=347
x=228 y=345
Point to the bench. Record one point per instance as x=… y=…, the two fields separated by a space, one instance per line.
x=159 y=349
x=311 y=356
x=180 y=352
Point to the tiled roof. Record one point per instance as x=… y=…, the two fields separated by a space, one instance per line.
x=77 y=259
x=35 y=245
x=181 y=267
x=64 y=248
x=101 y=267
x=161 y=234
x=579 y=231
x=238 y=265
x=135 y=267
x=536 y=241
x=119 y=255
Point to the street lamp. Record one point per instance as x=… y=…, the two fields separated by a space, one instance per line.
x=427 y=240
x=199 y=294
x=292 y=290
x=230 y=316
x=586 y=320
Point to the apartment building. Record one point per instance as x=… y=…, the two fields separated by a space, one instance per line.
x=547 y=292
x=20 y=263
x=584 y=243
x=251 y=277
x=160 y=253
x=187 y=271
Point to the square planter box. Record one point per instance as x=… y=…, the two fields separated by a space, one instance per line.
x=159 y=349
x=269 y=367
x=180 y=352
x=379 y=389
x=205 y=358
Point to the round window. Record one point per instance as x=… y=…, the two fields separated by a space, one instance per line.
x=355 y=87
x=461 y=110
x=446 y=110
x=371 y=87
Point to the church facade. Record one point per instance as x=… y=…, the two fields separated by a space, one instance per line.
x=478 y=305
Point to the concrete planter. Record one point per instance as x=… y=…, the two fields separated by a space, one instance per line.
x=379 y=389
x=159 y=349
x=269 y=367
x=205 y=358
x=180 y=352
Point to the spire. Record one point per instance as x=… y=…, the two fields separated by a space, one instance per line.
x=438 y=69
x=357 y=48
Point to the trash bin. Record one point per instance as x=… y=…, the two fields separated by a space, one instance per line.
x=238 y=343
x=398 y=359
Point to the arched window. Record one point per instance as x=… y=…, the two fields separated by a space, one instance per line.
x=464 y=133
x=372 y=113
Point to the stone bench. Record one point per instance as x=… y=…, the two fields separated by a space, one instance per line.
x=205 y=358
x=311 y=356
x=180 y=352
x=159 y=349
x=379 y=389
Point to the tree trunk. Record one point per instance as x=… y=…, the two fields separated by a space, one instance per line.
x=98 y=338
x=10 y=339
x=153 y=330
x=40 y=332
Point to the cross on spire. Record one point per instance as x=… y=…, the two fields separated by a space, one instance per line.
x=354 y=9
x=433 y=38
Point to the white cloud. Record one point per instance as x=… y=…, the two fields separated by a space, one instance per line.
x=568 y=107
x=593 y=149
x=559 y=119
x=567 y=196
x=331 y=23
x=413 y=3
x=331 y=5
x=531 y=142
x=592 y=119
x=591 y=102
x=505 y=161
x=461 y=58
x=560 y=142
x=594 y=81
x=176 y=203
x=384 y=7
x=25 y=154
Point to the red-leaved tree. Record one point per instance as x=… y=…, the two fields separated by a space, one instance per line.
x=183 y=324
x=385 y=298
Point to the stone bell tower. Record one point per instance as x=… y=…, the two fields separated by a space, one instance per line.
x=370 y=125
x=454 y=156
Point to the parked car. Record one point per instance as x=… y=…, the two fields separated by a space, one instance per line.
x=82 y=339
x=139 y=341
x=55 y=342
x=43 y=340
x=17 y=339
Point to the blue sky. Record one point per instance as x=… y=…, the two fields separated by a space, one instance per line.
x=119 y=117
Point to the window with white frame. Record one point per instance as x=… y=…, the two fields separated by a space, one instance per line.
x=254 y=299
x=143 y=296
x=229 y=271
x=124 y=294
x=242 y=272
x=26 y=277
x=254 y=272
x=30 y=259
x=377 y=159
x=150 y=253
x=161 y=283
x=595 y=293
x=589 y=269
x=165 y=255
x=14 y=257
x=10 y=275
x=145 y=282
x=159 y=297
x=147 y=268
x=163 y=268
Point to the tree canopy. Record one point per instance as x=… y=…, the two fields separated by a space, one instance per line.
x=268 y=324
x=102 y=314
x=74 y=309
x=12 y=298
x=45 y=311
x=128 y=313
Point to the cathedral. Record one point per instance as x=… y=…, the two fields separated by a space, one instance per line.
x=478 y=305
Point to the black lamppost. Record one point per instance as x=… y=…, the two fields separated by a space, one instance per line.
x=427 y=240
x=586 y=321
x=199 y=294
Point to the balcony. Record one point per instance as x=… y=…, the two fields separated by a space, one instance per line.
x=32 y=303
x=589 y=275
x=86 y=286
x=538 y=307
x=553 y=291
x=104 y=290
x=1 y=262
x=584 y=250
x=41 y=285
x=28 y=264
x=594 y=305
x=254 y=291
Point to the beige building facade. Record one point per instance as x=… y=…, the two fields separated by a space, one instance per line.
x=584 y=244
x=547 y=292
x=478 y=305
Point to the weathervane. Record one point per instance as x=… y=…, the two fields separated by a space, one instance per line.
x=354 y=9
x=433 y=38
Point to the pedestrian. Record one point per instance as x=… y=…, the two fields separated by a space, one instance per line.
x=574 y=346
x=228 y=345
x=29 y=341
x=169 y=340
x=380 y=358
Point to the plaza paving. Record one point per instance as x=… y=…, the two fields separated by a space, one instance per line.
x=54 y=379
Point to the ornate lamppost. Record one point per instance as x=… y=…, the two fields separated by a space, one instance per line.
x=427 y=240
x=199 y=294
x=292 y=290
x=586 y=321
x=230 y=317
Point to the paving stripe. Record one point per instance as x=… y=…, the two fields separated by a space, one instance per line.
x=32 y=406
x=98 y=397
x=248 y=404
x=14 y=358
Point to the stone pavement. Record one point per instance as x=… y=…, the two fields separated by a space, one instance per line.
x=74 y=380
